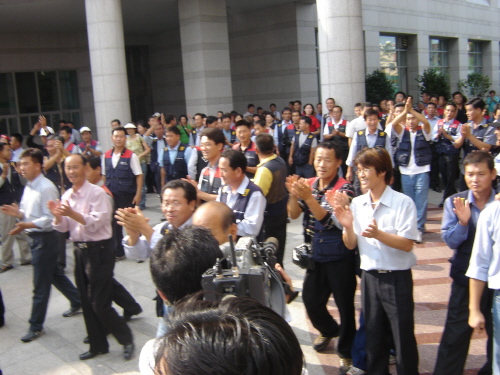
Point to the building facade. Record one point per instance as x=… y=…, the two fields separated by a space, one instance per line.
x=93 y=61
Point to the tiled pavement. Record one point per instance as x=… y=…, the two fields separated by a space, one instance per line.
x=56 y=352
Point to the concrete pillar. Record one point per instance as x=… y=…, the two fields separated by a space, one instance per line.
x=491 y=63
x=372 y=51
x=108 y=66
x=459 y=61
x=205 y=56
x=341 y=52
x=417 y=60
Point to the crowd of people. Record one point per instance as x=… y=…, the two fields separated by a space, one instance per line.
x=361 y=187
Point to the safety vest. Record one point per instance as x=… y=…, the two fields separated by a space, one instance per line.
x=93 y=145
x=362 y=144
x=250 y=154
x=242 y=200
x=341 y=140
x=421 y=150
x=444 y=145
x=206 y=186
x=178 y=169
x=120 y=180
x=301 y=154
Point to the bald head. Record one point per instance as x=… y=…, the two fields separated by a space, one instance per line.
x=218 y=218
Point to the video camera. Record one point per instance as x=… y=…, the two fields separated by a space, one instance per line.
x=250 y=273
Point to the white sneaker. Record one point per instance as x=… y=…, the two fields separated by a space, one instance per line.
x=419 y=238
x=355 y=371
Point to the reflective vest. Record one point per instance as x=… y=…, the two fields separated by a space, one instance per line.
x=11 y=191
x=120 y=180
x=201 y=162
x=301 y=154
x=362 y=144
x=179 y=169
x=445 y=146
x=279 y=129
x=242 y=200
x=344 y=141
x=153 y=164
x=421 y=150
x=206 y=186
x=288 y=136
x=277 y=196
x=250 y=154
x=93 y=145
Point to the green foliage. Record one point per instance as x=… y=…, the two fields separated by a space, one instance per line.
x=476 y=84
x=378 y=86
x=434 y=82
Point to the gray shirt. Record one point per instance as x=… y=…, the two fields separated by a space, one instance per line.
x=34 y=203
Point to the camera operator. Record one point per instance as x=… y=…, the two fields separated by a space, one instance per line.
x=334 y=265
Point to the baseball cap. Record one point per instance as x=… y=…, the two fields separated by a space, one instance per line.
x=85 y=129
x=43 y=133
x=129 y=126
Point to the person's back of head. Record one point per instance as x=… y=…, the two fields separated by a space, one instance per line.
x=233 y=336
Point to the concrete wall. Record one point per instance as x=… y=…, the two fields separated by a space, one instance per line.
x=51 y=51
x=459 y=20
x=273 y=57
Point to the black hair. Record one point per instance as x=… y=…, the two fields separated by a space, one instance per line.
x=189 y=190
x=67 y=129
x=119 y=123
x=94 y=161
x=169 y=117
x=180 y=258
x=307 y=120
x=236 y=159
x=35 y=154
x=17 y=136
x=119 y=129
x=370 y=112
x=402 y=93
x=215 y=135
x=479 y=156
x=330 y=145
x=477 y=103
x=265 y=143
x=242 y=122
x=211 y=120
x=173 y=129
x=250 y=106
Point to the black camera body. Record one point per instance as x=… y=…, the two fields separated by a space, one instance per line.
x=250 y=274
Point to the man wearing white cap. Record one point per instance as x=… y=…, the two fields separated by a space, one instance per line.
x=89 y=146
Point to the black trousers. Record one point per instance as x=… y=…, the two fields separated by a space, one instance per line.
x=388 y=304
x=275 y=226
x=448 y=167
x=94 y=266
x=124 y=299
x=435 y=182
x=121 y=201
x=337 y=278
x=457 y=333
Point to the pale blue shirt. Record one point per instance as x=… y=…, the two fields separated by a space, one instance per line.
x=161 y=144
x=370 y=140
x=172 y=153
x=395 y=213
x=34 y=203
x=484 y=263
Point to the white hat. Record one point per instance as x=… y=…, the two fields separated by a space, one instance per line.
x=43 y=133
x=129 y=126
x=85 y=129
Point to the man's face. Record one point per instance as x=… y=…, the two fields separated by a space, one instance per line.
x=153 y=121
x=272 y=108
x=29 y=169
x=198 y=121
x=175 y=207
x=450 y=112
x=383 y=105
x=114 y=124
x=65 y=135
x=303 y=126
x=434 y=100
x=325 y=163
x=478 y=177
x=337 y=113
x=369 y=178
x=473 y=113
x=371 y=123
x=243 y=133
x=269 y=119
x=398 y=110
x=86 y=137
x=425 y=97
x=319 y=108
x=93 y=175
x=251 y=109
x=257 y=129
x=497 y=134
x=159 y=131
x=226 y=123
x=458 y=99
x=296 y=118
x=287 y=115
x=400 y=98
x=296 y=106
x=14 y=143
x=330 y=104
x=172 y=139
x=51 y=146
x=411 y=122
x=6 y=154
x=431 y=110
x=209 y=149
x=358 y=111
x=441 y=101
x=230 y=176
x=75 y=170
x=119 y=138
x=497 y=115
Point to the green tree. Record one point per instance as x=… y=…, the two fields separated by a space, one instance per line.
x=434 y=82
x=476 y=84
x=378 y=86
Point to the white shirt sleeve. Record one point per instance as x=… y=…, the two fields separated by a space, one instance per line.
x=193 y=161
x=135 y=164
x=254 y=215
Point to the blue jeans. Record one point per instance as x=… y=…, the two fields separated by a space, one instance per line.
x=496 y=332
x=162 y=326
x=46 y=272
x=144 y=167
x=416 y=186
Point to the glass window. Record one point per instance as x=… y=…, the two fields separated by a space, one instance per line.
x=7 y=94
x=68 y=84
x=475 y=50
x=47 y=90
x=393 y=59
x=27 y=93
x=438 y=55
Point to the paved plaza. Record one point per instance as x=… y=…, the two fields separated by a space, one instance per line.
x=56 y=352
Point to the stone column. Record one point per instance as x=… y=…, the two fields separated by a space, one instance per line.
x=341 y=52
x=108 y=66
x=417 y=61
x=205 y=56
x=490 y=63
x=458 y=60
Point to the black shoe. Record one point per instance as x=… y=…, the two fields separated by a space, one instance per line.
x=71 y=312
x=90 y=355
x=128 y=351
x=321 y=342
x=32 y=335
x=123 y=257
x=5 y=268
x=128 y=315
x=86 y=340
x=441 y=205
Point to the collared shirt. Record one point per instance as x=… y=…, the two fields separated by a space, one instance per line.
x=284 y=124
x=326 y=129
x=488 y=137
x=92 y=202
x=452 y=232
x=254 y=213
x=198 y=136
x=433 y=121
x=161 y=144
x=172 y=153
x=395 y=213
x=16 y=154
x=135 y=164
x=484 y=263
x=263 y=176
x=34 y=203
x=370 y=141
x=446 y=127
x=142 y=248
